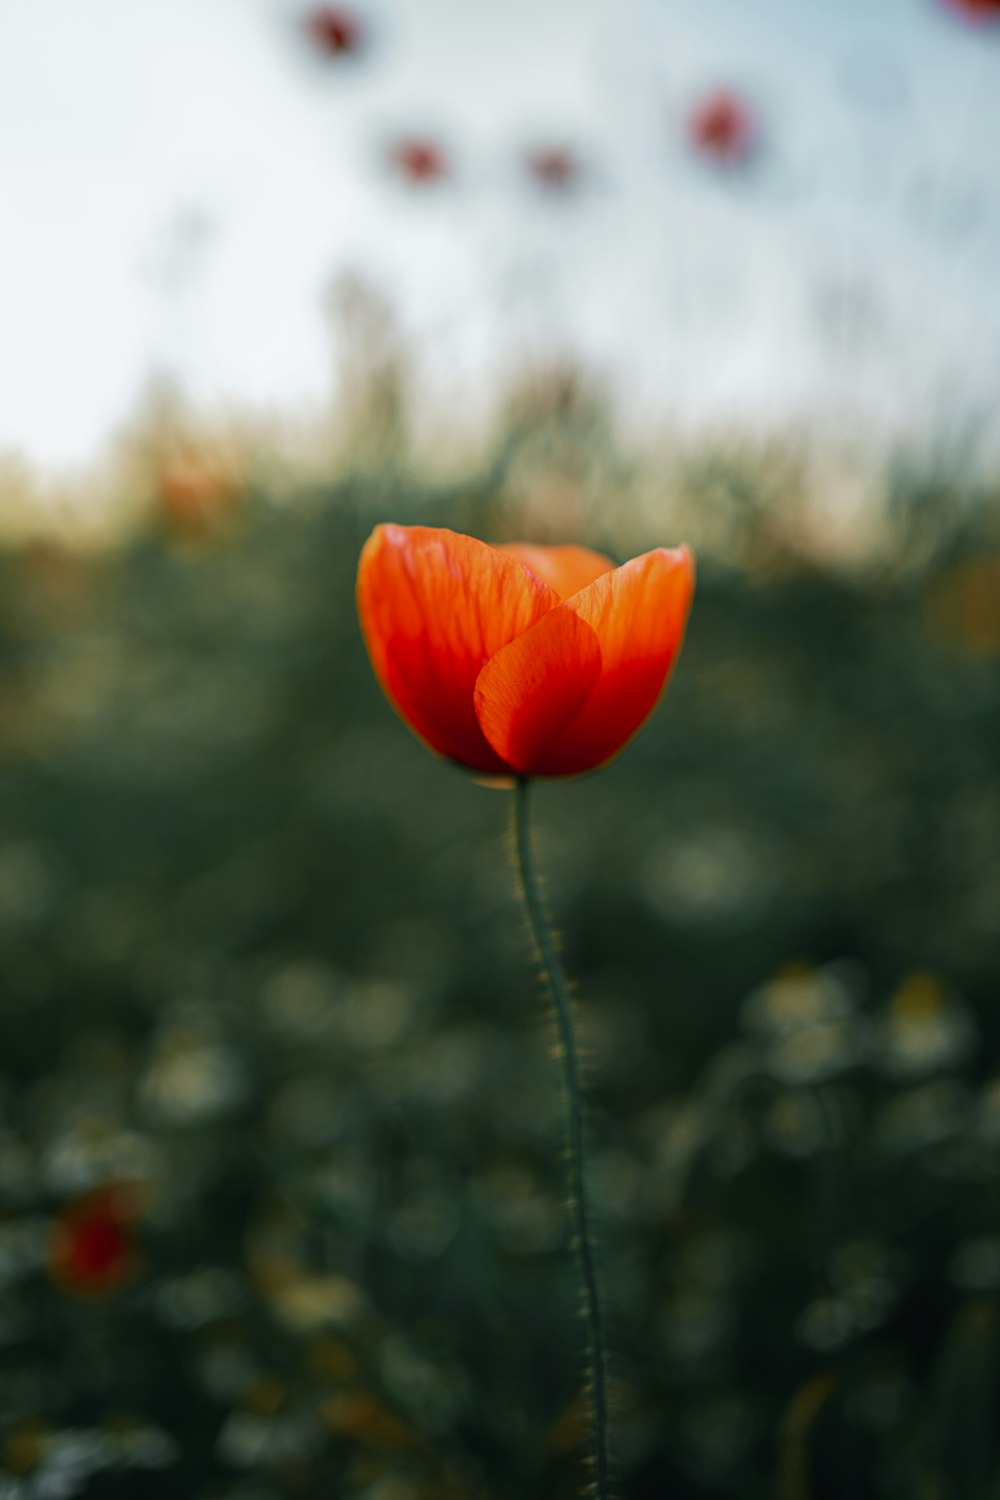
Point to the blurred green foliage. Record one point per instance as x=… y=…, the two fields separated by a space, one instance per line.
x=263 y=969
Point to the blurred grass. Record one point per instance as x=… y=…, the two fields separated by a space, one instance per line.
x=261 y=960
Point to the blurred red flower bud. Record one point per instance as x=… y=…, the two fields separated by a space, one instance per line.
x=419 y=160
x=723 y=127
x=336 y=32
x=978 y=11
x=552 y=167
x=92 y=1250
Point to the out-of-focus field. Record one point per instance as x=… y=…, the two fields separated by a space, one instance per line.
x=281 y=1188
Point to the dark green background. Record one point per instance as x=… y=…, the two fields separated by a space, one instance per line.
x=261 y=957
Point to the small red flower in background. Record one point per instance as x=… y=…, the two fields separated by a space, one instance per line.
x=553 y=167
x=336 y=32
x=195 y=494
x=419 y=160
x=92 y=1252
x=978 y=11
x=531 y=661
x=722 y=126
x=962 y=606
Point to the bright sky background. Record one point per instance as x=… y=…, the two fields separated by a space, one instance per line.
x=180 y=181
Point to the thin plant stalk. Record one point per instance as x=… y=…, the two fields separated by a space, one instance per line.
x=572 y=1092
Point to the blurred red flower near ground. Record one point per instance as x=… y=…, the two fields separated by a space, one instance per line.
x=195 y=495
x=978 y=11
x=92 y=1250
x=962 y=606
x=520 y=660
x=723 y=128
x=335 y=32
x=419 y=160
x=553 y=167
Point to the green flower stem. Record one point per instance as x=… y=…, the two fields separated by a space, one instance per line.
x=556 y=978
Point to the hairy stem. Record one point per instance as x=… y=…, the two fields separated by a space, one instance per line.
x=559 y=989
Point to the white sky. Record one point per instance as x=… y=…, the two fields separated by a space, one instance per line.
x=853 y=270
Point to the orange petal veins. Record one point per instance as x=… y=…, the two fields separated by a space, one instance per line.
x=637 y=615
x=565 y=569
x=529 y=693
x=434 y=606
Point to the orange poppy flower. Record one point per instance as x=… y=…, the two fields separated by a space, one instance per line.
x=531 y=661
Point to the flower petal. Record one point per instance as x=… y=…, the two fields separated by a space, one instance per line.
x=531 y=691
x=538 y=701
x=434 y=606
x=565 y=569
